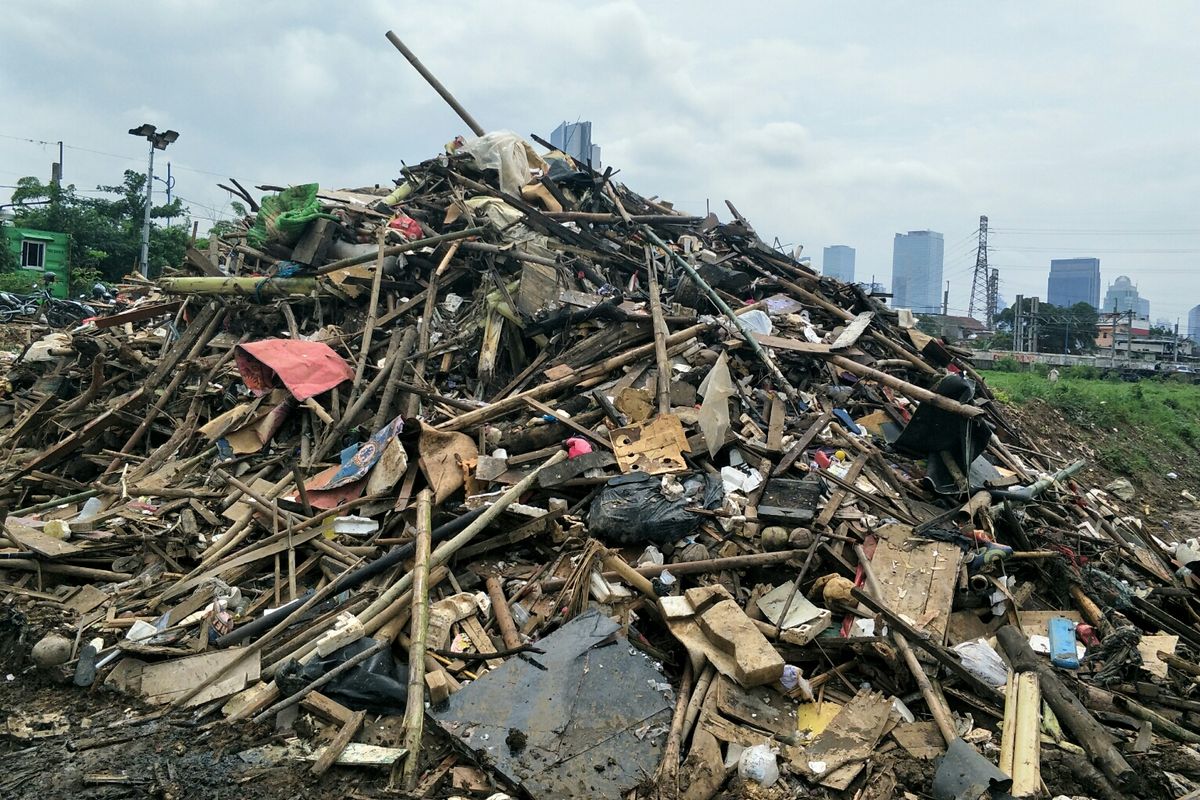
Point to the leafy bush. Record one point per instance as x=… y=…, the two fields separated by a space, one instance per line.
x=1084 y=372
x=1007 y=365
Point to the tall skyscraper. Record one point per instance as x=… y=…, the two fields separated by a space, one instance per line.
x=575 y=139
x=1193 y=329
x=1122 y=295
x=837 y=261
x=917 y=271
x=1074 y=280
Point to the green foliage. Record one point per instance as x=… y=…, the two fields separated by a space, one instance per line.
x=1085 y=372
x=1008 y=365
x=1069 y=330
x=105 y=231
x=1161 y=416
x=8 y=259
x=17 y=282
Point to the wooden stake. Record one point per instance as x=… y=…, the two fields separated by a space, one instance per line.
x=660 y=335
x=414 y=709
x=500 y=610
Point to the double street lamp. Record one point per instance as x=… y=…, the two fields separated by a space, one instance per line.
x=158 y=141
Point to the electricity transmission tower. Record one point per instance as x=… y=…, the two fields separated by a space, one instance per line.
x=979 y=282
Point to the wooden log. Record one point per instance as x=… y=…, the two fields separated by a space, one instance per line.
x=414 y=709
x=1095 y=739
x=330 y=754
x=500 y=610
x=663 y=365
x=239 y=287
x=911 y=390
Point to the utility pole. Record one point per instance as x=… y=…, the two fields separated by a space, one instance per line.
x=158 y=141
x=993 y=298
x=1033 y=324
x=1019 y=325
x=946 y=300
x=979 y=281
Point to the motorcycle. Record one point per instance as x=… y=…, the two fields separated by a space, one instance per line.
x=54 y=311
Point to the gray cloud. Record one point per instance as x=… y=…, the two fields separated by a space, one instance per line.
x=823 y=123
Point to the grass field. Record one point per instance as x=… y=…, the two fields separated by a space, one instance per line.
x=1161 y=415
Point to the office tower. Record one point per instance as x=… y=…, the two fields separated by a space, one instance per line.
x=1122 y=295
x=1193 y=327
x=575 y=139
x=837 y=261
x=1074 y=280
x=917 y=271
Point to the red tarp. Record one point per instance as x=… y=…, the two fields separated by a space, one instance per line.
x=305 y=368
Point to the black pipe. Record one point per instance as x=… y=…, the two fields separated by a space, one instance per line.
x=351 y=580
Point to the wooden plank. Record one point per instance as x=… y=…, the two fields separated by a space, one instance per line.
x=334 y=749
x=851 y=333
x=139 y=314
x=792 y=345
x=481 y=640
x=41 y=543
x=775 y=422
x=797 y=449
x=917 y=580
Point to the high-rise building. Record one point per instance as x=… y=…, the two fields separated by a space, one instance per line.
x=1122 y=295
x=917 y=271
x=575 y=139
x=1074 y=280
x=1193 y=329
x=837 y=261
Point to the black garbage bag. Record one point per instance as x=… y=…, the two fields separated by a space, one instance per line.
x=932 y=431
x=378 y=684
x=631 y=509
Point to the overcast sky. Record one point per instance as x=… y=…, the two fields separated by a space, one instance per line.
x=824 y=123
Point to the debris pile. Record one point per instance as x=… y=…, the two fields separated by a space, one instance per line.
x=510 y=479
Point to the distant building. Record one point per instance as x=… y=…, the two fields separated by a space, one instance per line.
x=1122 y=295
x=575 y=139
x=917 y=271
x=953 y=328
x=1074 y=280
x=1193 y=328
x=837 y=261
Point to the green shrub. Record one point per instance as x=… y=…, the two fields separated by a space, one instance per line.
x=1007 y=365
x=1084 y=372
x=1040 y=369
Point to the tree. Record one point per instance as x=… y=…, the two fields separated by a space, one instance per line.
x=105 y=232
x=1060 y=330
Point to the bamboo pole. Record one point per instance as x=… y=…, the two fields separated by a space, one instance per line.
x=912 y=390
x=437 y=86
x=397 y=249
x=785 y=387
x=414 y=709
x=500 y=610
x=256 y=287
x=364 y=351
x=660 y=336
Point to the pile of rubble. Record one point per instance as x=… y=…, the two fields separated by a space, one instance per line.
x=513 y=480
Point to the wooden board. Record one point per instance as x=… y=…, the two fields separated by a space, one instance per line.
x=43 y=544
x=917 y=582
x=849 y=336
x=793 y=345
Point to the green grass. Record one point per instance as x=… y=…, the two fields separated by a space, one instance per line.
x=1160 y=413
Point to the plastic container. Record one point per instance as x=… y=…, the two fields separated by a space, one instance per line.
x=758 y=764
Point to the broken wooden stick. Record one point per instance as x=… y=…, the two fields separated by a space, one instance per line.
x=414 y=709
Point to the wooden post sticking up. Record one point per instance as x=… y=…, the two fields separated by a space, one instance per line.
x=414 y=709
x=661 y=333
x=475 y=127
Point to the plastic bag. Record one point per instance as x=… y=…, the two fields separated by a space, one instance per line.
x=758 y=764
x=983 y=661
x=378 y=685
x=283 y=217
x=510 y=155
x=632 y=509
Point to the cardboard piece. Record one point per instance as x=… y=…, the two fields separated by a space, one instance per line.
x=654 y=447
x=442 y=455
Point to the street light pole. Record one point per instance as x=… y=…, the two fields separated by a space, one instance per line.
x=158 y=141
x=144 y=261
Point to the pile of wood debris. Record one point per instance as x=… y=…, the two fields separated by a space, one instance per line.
x=512 y=479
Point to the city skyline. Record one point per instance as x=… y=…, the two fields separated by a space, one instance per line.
x=1073 y=280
